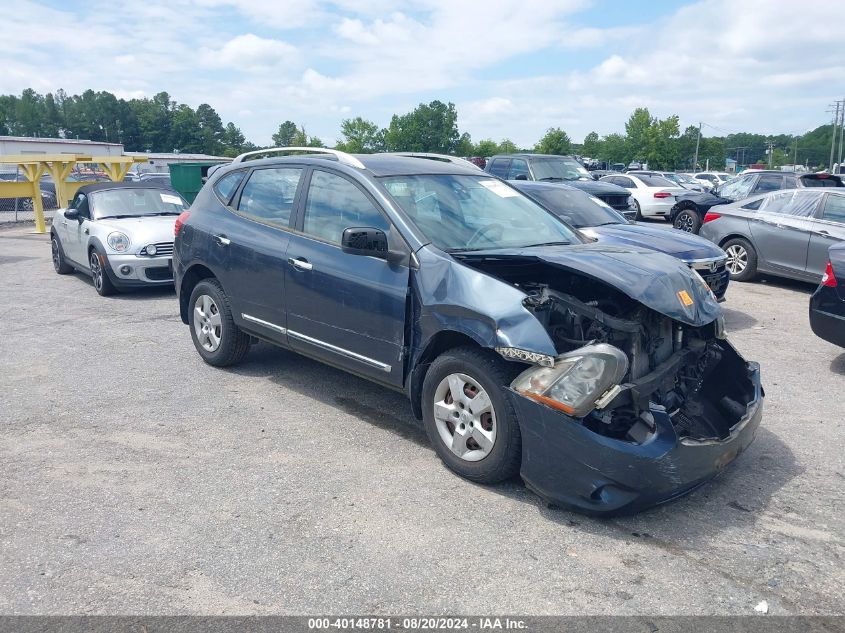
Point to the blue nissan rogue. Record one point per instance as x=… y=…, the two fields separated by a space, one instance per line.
x=600 y=374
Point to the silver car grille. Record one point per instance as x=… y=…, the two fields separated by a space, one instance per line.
x=162 y=249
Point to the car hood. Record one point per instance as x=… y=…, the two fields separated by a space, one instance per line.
x=658 y=281
x=140 y=231
x=597 y=187
x=684 y=246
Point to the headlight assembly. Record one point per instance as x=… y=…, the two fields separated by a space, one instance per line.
x=577 y=380
x=514 y=353
x=118 y=242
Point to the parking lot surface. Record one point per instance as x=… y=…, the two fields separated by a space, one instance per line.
x=136 y=479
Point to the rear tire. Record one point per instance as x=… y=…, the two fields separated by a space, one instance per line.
x=742 y=259
x=688 y=221
x=485 y=445
x=639 y=211
x=218 y=340
x=60 y=264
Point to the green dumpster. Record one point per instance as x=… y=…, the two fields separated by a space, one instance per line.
x=187 y=178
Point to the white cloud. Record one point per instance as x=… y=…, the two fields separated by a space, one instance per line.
x=250 y=53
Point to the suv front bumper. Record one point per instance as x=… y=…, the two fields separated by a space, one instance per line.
x=569 y=465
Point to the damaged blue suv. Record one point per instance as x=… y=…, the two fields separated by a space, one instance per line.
x=600 y=374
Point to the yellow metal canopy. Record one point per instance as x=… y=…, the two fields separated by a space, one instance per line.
x=59 y=166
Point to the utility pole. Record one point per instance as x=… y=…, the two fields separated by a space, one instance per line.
x=770 y=152
x=841 y=128
x=833 y=139
x=795 y=155
x=698 y=141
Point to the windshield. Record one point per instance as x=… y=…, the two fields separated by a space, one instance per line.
x=135 y=202
x=559 y=169
x=576 y=208
x=460 y=213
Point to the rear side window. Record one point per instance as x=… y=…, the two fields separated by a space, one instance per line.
x=815 y=181
x=519 y=167
x=268 y=195
x=834 y=209
x=624 y=182
x=753 y=206
x=226 y=185
x=499 y=167
x=801 y=204
x=769 y=183
x=335 y=204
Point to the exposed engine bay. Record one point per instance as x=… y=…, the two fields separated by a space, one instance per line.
x=692 y=373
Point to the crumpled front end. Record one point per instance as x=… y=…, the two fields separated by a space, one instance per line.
x=570 y=463
x=646 y=399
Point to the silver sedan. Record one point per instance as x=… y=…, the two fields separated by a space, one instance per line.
x=785 y=233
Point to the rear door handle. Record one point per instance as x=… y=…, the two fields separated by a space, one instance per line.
x=299 y=263
x=823 y=232
x=222 y=240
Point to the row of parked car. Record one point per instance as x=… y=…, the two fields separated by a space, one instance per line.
x=583 y=359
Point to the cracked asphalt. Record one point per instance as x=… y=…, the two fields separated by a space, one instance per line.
x=135 y=479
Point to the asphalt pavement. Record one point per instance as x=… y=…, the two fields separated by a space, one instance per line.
x=135 y=479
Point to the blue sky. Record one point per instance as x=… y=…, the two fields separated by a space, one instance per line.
x=514 y=68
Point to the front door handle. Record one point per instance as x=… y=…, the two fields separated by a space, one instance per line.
x=222 y=240
x=823 y=232
x=299 y=263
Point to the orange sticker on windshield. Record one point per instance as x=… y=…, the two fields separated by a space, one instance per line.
x=686 y=300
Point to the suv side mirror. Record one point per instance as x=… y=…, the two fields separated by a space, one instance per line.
x=72 y=214
x=521 y=177
x=364 y=241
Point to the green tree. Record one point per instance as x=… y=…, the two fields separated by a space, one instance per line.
x=185 y=131
x=592 y=145
x=233 y=140
x=507 y=146
x=285 y=135
x=486 y=148
x=464 y=146
x=555 y=141
x=360 y=136
x=639 y=134
x=428 y=128
x=211 y=130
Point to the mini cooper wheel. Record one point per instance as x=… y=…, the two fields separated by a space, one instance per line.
x=688 y=221
x=102 y=283
x=60 y=265
x=468 y=417
x=218 y=340
x=742 y=259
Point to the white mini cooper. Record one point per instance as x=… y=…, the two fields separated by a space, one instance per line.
x=120 y=233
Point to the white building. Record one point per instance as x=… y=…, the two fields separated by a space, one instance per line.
x=16 y=145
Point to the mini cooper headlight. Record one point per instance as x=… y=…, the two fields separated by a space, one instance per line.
x=577 y=380
x=118 y=242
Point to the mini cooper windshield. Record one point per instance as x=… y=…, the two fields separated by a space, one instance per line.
x=471 y=213
x=136 y=202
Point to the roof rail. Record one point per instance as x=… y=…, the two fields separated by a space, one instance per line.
x=446 y=158
x=342 y=157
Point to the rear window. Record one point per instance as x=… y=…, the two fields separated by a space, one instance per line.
x=796 y=203
x=499 y=167
x=821 y=180
x=656 y=181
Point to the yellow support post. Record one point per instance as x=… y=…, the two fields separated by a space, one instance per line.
x=60 y=170
x=33 y=173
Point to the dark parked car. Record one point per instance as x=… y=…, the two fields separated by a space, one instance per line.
x=551 y=168
x=785 y=233
x=688 y=213
x=598 y=221
x=602 y=376
x=827 y=305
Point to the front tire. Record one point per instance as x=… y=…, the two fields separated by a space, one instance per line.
x=742 y=259
x=688 y=221
x=60 y=265
x=468 y=417
x=102 y=282
x=218 y=340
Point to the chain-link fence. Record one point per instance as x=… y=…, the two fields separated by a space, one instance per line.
x=20 y=209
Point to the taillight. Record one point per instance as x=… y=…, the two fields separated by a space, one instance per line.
x=180 y=221
x=662 y=194
x=710 y=216
x=829 y=279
